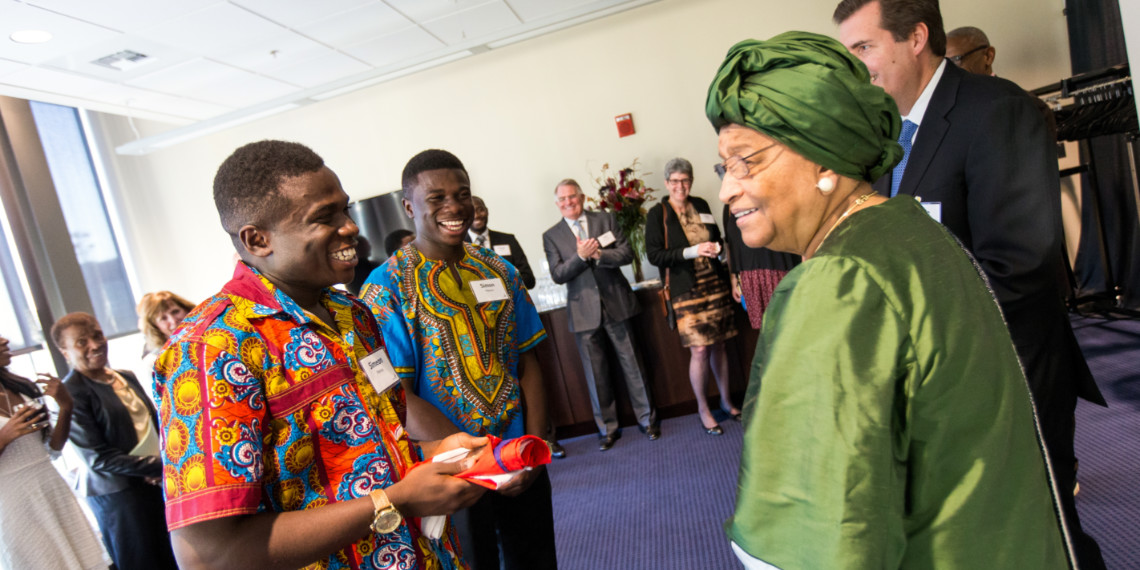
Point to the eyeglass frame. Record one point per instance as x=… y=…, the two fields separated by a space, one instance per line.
x=957 y=59
x=722 y=168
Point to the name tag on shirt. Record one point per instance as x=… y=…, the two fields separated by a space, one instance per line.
x=606 y=239
x=487 y=290
x=707 y=219
x=379 y=370
x=934 y=209
x=503 y=249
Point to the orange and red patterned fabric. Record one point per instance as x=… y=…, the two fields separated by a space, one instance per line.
x=264 y=408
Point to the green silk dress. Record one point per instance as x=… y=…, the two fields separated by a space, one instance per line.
x=887 y=420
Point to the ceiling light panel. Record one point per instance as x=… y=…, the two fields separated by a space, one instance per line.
x=472 y=24
x=158 y=56
x=69 y=34
x=530 y=10
x=298 y=13
x=284 y=50
x=214 y=82
x=390 y=49
x=122 y=15
x=7 y=67
x=216 y=31
x=320 y=70
x=425 y=10
x=356 y=26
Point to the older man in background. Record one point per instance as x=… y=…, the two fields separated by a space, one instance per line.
x=969 y=48
x=585 y=250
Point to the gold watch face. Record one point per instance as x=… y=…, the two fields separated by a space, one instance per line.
x=386 y=521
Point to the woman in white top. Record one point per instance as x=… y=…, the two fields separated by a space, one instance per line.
x=41 y=524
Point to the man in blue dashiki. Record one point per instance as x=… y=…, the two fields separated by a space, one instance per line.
x=460 y=328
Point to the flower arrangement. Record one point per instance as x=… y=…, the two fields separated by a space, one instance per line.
x=625 y=196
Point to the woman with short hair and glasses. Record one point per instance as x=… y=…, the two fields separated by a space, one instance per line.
x=887 y=420
x=683 y=241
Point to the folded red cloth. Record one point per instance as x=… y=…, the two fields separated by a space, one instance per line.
x=507 y=456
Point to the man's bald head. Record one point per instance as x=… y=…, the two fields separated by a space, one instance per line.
x=970 y=49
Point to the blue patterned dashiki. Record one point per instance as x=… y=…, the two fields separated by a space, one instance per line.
x=461 y=355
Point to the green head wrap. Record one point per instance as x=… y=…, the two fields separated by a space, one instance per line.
x=806 y=91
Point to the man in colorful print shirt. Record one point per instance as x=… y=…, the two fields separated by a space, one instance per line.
x=281 y=444
x=460 y=329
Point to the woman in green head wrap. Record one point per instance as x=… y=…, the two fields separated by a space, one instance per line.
x=888 y=423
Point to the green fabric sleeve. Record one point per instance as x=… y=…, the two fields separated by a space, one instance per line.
x=823 y=473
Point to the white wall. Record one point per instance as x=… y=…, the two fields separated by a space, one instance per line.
x=521 y=118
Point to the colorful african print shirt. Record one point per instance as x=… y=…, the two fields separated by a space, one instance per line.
x=461 y=355
x=264 y=408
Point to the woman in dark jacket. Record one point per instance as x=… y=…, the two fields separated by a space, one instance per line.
x=114 y=428
x=682 y=239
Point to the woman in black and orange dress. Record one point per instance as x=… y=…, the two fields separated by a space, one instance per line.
x=682 y=237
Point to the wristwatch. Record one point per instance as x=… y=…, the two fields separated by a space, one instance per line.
x=385 y=517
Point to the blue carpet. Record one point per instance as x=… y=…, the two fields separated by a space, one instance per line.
x=644 y=504
x=661 y=504
x=1108 y=440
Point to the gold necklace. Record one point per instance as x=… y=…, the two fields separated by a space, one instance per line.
x=858 y=202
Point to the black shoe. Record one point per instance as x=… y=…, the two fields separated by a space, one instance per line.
x=715 y=430
x=653 y=431
x=607 y=441
x=728 y=411
x=556 y=450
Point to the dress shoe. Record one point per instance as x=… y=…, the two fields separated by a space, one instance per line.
x=728 y=411
x=556 y=450
x=607 y=441
x=653 y=431
x=715 y=430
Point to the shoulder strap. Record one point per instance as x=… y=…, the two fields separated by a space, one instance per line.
x=665 y=224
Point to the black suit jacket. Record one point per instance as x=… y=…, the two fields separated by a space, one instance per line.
x=104 y=435
x=984 y=152
x=516 y=258
x=593 y=287
x=682 y=274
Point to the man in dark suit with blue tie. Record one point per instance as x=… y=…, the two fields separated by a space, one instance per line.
x=585 y=250
x=979 y=157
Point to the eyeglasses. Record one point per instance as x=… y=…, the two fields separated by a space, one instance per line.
x=957 y=59
x=677 y=181
x=737 y=166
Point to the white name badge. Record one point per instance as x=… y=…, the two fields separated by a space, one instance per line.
x=606 y=239
x=707 y=219
x=503 y=249
x=488 y=290
x=934 y=209
x=379 y=370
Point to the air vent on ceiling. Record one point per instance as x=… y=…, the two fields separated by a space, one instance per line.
x=125 y=60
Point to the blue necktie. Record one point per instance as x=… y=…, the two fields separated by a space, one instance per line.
x=905 y=138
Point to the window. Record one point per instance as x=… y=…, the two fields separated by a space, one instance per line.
x=81 y=200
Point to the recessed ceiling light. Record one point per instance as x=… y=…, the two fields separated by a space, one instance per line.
x=30 y=36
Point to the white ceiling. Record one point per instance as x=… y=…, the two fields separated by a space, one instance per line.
x=215 y=61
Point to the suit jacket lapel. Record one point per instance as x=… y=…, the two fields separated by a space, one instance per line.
x=932 y=129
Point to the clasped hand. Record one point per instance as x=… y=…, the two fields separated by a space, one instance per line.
x=430 y=489
x=589 y=249
x=708 y=249
x=27 y=419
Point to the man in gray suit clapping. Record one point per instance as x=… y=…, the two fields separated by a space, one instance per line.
x=585 y=250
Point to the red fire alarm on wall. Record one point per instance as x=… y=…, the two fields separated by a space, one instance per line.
x=624 y=125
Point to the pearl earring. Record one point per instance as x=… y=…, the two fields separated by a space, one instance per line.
x=825 y=185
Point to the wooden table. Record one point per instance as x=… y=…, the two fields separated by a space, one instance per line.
x=665 y=364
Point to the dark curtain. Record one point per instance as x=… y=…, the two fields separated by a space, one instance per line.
x=1096 y=41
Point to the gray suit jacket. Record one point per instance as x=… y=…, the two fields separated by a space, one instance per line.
x=588 y=282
